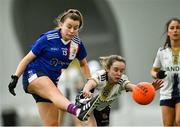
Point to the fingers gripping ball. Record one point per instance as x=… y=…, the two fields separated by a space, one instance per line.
x=143 y=93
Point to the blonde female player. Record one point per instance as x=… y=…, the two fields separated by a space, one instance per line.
x=167 y=67
x=108 y=84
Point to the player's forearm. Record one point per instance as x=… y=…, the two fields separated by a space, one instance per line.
x=21 y=67
x=86 y=90
x=129 y=86
x=85 y=69
x=154 y=73
x=24 y=62
x=88 y=86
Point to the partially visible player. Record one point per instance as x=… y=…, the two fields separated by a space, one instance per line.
x=167 y=67
x=42 y=66
x=108 y=85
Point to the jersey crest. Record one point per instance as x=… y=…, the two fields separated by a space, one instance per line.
x=106 y=92
x=73 y=50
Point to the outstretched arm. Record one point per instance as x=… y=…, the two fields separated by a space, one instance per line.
x=157 y=84
x=129 y=86
x=89 y=86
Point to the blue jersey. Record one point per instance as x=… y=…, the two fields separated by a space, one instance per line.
x=53 y=55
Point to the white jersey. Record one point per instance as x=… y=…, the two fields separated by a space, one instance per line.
x=108 y=93
x=165 y=60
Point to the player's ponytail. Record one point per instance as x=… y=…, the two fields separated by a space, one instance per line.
x=103 y=61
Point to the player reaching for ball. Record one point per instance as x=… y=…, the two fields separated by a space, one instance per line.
x=107 y=84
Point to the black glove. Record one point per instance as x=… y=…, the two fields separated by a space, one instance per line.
x=12 y=84
x=161 y=74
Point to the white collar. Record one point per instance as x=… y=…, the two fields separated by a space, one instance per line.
x=65 y=42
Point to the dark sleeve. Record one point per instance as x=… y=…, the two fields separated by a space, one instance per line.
x=39 y=45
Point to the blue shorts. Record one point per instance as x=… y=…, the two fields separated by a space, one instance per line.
x=30 y=75
x=170 y=102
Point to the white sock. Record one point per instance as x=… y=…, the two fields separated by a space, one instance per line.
x=78 y=111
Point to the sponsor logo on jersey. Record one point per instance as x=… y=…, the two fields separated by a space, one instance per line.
x=173 y=68
x=55 y=62
x=54 y=49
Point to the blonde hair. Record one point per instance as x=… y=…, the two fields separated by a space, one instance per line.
x=107 y=61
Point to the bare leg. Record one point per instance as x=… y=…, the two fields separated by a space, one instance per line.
x=168 y=115
x=61 y=117
x=48 y=113
x=77 y=122
x=177 y=114
x=45 y=88
x=91 y=120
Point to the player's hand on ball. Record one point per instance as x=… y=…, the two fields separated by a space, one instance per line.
x=157 y=84
x=12 y=84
